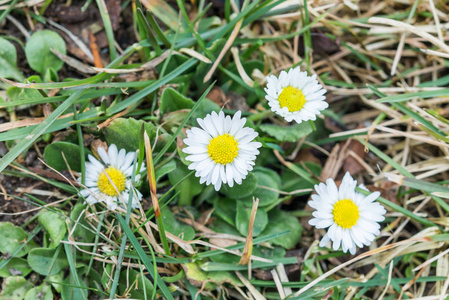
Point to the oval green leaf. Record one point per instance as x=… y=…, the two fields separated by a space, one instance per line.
x=40 y=260
x=38 y=53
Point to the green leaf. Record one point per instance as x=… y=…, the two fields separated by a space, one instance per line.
x=81 y=234
x=197 y=277
x=55 y=153
x=242 y=219
x=206 y=107
x=124 y=133
x=42 y=292
x=15 y=266
x=14 y=288
x=287 y=133
x=40 y=260
x=268 y=183
x=180 y=229
x=188 y=188
x=54 y=224
x=279 y=222
x=239 y=191
x=133 y=278
x=69 y=292
x=292 y=182
x=172 y=100
x=226 y=209
x=12 y=238
x=203 y=68
x=165 y=169
x=56 y=280
x=8 y=61
x=38 y=53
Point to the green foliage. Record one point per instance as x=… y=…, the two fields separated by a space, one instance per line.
x=71 y=293
x=242 y=219
x=54 y=224
x=14 y=288
x=140 y=286
x=226 y=209
x=81 y=234
x=44 y=261
x=8 y=61
x=15 y=266
x=12 y=239
x=188 y=186
x=268 y=184
x=42 y=292
x=60 y=154
x=245 y=189
x=197 y=276
x=180 y=229
x=167 y=168
x=279 y=222
x=38 y=51
x=206 y=107
x=290 y=133
x=172 y=100
x=125 y=133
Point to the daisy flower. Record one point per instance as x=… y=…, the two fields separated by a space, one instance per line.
x=295 y=96
x=110 y=179
x=352 y=218
x=222 y=150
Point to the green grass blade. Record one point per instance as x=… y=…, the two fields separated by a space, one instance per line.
x=107 y=27
x=162 y=152
x=38 y=131
x=145 y=260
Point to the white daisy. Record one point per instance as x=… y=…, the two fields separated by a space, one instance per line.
x=295 y=96
x=352 y=217
x=222 y=151
x=110 y=180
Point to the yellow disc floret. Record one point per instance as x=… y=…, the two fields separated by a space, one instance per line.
x=346 y=213
x=118 y=179
x=292 y=98
x=223 y=149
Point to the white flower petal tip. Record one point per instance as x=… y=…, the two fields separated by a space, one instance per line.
x=351 y=217
x=222 y=151
x=109 y=180
x=295 y=96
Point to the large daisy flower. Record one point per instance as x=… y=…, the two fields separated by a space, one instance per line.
x=222 y=150
x=352 y=218
x=295 y=96
x=110 y=180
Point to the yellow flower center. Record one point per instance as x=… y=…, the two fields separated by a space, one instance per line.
x=223 y=149
x=118 y=179
x=346 y=213
x=292 y=98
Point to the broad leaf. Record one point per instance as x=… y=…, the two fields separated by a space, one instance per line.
x=280 y=221
x=14 y=288
x=180 y=229
x=8 y=61
x=38 y=53
x=287 y=133
x=268 y=183
x=58 y=153
x=124 y=133
x=15 y=266
x=40 y=260
x=12 y=238
x=42 y=292
x=172 y=100
x=239 y=191
x=242 y=219
x=54 y=224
